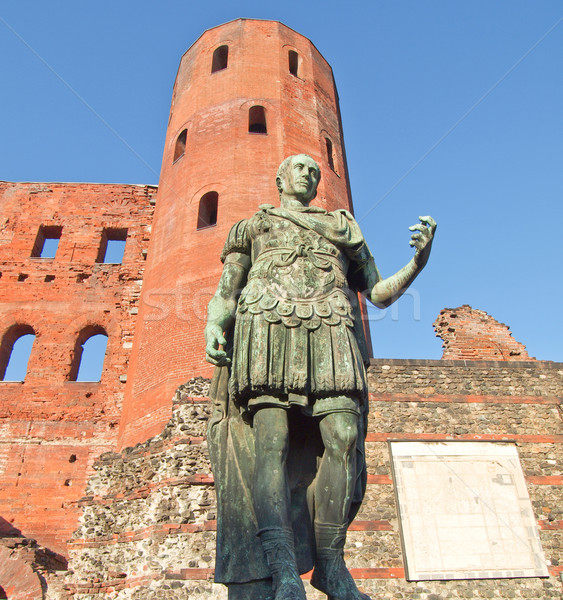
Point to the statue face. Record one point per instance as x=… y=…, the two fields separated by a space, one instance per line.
x=300 y=180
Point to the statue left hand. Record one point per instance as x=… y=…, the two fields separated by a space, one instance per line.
x=422 y=239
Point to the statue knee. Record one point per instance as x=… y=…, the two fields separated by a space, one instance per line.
x=339 y=432
x=276 y=444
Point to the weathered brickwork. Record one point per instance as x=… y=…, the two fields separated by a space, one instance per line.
x=472 y=334
x=150 y=509
x=478 y=379
x=53 y=429
x=28 y=570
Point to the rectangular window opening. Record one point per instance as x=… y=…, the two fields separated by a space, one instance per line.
x=112 y=246
x=330 y=154
x=47 y=241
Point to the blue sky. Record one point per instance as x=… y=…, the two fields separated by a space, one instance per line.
x=449 y=108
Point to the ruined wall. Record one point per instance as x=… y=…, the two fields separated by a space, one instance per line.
x=470 y=334
x=148 y=523
x=146 y=515
x=28 y=570
x=53 y=429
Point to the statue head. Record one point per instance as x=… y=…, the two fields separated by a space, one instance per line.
x=297 y=178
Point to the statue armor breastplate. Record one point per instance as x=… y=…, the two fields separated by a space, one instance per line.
x=294 y=328
x=298 y=277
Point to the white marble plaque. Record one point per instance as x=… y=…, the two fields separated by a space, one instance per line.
x=465 y=511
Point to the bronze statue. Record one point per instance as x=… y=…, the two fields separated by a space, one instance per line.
x=287 y=437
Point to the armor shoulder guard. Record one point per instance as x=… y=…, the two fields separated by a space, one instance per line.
x=238 y=240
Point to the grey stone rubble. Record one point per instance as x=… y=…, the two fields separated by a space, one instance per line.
x=148 y=519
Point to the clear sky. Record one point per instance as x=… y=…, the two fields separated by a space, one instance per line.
x=449 y=108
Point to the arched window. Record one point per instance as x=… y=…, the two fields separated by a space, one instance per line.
x=220 y=59
x=257 y=120
x=15 y=350
x=89 y=354
x=180 y=147
x=330 y=154
x=293 y=62
x=207 y=215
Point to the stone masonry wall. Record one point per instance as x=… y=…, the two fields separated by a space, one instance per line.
x=150 y=512
x=148 y=523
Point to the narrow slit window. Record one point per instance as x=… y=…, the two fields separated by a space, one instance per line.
x=330 y=154
x=15 y=351
x=112 y=246
x=293 y=63
x=220 y=59
x=257 y=120
x=180 y=147
x=89 y=354
x=47 y=241
x=207 y=215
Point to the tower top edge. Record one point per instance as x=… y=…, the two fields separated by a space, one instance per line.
x=242 y=19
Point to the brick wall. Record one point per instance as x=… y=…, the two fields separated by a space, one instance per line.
x=52 y=429
x=26 y=569
x=146 y=515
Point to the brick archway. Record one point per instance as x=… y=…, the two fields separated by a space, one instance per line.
x=18 y=581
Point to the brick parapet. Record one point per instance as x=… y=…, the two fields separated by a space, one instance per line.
x=490 y=364
x=523 y=379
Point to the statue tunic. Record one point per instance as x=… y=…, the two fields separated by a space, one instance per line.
x=295 y=334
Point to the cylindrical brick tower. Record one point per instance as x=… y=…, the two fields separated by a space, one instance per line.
x=247 y=94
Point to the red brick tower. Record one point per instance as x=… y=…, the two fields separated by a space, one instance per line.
x=247 y=94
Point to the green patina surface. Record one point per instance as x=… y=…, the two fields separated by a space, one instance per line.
x=287 y=437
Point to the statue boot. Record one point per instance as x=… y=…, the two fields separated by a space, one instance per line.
x=279 y=549
x=331 y=575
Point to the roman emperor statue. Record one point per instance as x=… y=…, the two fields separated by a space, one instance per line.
x=286 y=439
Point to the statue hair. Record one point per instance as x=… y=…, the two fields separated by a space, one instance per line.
x=287 y=162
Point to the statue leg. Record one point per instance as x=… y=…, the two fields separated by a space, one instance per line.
x=270 y=495
x=270 y=491
x=333 y=496
x=337 y=470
